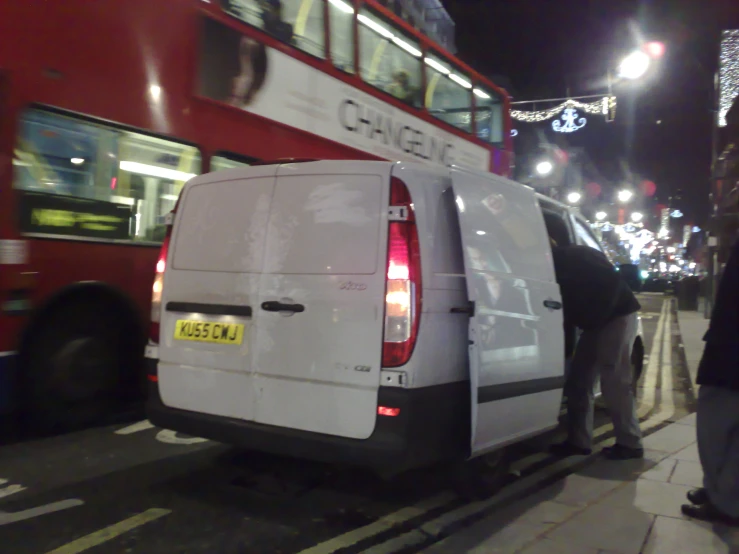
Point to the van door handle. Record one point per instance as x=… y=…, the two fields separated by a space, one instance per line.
x=553 y=304
x=275 y=306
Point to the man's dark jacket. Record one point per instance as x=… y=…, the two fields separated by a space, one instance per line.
x=593 y=292
x=719 y=366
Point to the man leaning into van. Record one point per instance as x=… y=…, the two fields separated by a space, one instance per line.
x=599 y=302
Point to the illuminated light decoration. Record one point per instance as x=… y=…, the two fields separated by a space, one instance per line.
x=728 y=73
x=574 y=197
x=677 y=214
x=625 y=195
x=544 y=167
x=536 y=116
x=155 y=171
x=696 y=229
x=514 y=133
x=600 y=216
x=572 y=122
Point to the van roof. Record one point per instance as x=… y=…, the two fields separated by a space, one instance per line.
x=338 y=166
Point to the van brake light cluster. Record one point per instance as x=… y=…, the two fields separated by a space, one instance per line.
x=403 y=281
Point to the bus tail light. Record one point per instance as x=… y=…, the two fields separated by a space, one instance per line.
x=403 y=281
x=156 y=288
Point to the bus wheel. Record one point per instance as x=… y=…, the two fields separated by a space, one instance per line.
x=74 y=367
x=482 y=477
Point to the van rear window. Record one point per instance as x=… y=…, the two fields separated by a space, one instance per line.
x=325 y=225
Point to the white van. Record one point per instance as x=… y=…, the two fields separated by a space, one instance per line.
x=387 y=315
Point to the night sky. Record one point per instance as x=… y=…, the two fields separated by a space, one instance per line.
x=545 y=48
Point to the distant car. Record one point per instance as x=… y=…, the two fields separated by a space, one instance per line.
x=630 y=274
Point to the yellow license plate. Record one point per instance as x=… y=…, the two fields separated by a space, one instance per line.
x=209 y=331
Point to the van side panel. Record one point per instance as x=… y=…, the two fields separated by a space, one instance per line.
x=516 y=335
x=319 y=369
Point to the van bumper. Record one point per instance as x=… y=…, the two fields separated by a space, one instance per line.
x=433 y=426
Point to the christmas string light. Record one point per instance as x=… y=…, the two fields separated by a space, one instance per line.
x=603 y=106
x=728 y=73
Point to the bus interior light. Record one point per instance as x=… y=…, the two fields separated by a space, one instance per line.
x=412 y=50
x=155 y=171
x=379 y=29
x=457 y=79
x=437 y=66
x=343 y=6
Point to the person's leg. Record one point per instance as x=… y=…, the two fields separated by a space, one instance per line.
x=717 y=428
x=617 y=378
x=710 y=450
x=614 y=363
x=579 y=389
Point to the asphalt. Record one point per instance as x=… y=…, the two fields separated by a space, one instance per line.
x=134 y=488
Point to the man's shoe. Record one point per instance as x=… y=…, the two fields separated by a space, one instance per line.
x=708 y=512
x=621 y=452
x=698 y=496
x=567 y=449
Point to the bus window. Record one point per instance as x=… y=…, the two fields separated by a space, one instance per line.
x=488 y=116
x=89 y=180
x=341 y=25
x=448 y=94
x=388 y=59
x=227 y=160
x=297 y=22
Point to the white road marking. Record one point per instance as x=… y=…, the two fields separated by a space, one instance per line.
x=381 y=525
x=110 y=532
x=11 y=489
x=170 y=437
x=165 y=435
x=135 y=428
x=13 y=517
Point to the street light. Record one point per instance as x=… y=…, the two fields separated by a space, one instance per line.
x=544 y=167
x=625 y=195
x=636 y=217
x=634 y=66
x=600 y=216
x=574 y=197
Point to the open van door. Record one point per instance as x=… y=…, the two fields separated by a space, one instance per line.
x=516 y=337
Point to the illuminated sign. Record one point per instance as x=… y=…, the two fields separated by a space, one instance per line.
x=53 y=214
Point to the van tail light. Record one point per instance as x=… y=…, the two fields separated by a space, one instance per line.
x=403 y=280
x=156 y=288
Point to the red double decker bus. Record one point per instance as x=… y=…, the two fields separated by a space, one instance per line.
x=108 y=107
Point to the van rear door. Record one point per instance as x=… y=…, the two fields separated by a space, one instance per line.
x=211 y=291
x=516 y=334
x=319 y=333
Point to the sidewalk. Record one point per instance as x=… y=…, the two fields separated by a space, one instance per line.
x=610 y=507
x=693 y=326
